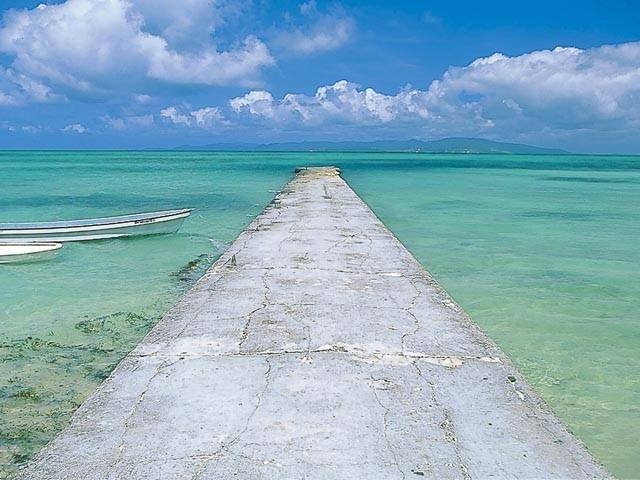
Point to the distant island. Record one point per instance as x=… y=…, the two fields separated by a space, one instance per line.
x=445 y=145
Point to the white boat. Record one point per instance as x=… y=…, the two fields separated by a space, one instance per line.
x=168 y=221
x=27 y=252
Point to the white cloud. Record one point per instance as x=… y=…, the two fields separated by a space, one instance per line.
x=259 y=103
x=564 y=86
x=341 y=102
x=75 y=128
x=319 y=32
x=8 y=127
x=172 y=114
x=17 y=89
x=208 y=116
x=182 y=24
x=31 y=129
x=142 y=99
x=98 y=46
x=6 y=100
x=204 y=117
x=563 y=89
x=28 y=88
x=115 y=123
x=189 y=24
x=123 y=123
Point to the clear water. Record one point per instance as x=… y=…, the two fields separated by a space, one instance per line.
x=542 y=251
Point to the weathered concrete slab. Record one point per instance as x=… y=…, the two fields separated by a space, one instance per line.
x=315 y=348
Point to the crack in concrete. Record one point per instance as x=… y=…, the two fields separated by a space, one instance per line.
x=265 y=303
x=356 y=353
x=447 y=425
x=409 y=310
x=385 y=426
x=126 y=424
x=332 y=270
x=367 y=255
x=307 y=356
x=226 y=447
x=341 y=242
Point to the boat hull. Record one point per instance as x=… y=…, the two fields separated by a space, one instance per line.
x=122 y=228
x=27 y=252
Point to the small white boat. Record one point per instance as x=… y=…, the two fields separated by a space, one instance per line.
x=96 y=228
x=27 y=252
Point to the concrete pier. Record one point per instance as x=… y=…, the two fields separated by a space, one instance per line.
x=316 y=347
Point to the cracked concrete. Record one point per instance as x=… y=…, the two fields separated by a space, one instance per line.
x=315 y=348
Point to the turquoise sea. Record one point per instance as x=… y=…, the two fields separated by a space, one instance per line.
x=542 y=251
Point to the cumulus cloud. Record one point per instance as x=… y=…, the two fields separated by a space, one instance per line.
x=203 y=118
x=75 y=128
x=341 y=102
x=97 y=46
x=561 y=89
x=257 y=102
x=208 y=116
x=172 y=114
x=319 y=31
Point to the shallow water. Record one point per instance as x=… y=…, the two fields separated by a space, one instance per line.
x=542 y=251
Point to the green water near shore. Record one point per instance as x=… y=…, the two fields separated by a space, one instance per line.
x=542 y=251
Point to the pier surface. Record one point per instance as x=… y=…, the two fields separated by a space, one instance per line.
x=316 y=347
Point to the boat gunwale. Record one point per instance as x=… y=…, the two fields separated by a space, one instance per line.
x=89 y=224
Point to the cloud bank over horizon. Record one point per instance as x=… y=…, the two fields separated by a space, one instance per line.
x=562 y=90
x=152 y=64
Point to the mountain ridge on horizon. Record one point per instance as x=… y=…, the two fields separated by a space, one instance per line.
x=444 y=145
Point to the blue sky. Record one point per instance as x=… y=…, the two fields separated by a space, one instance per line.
x=162 y=73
